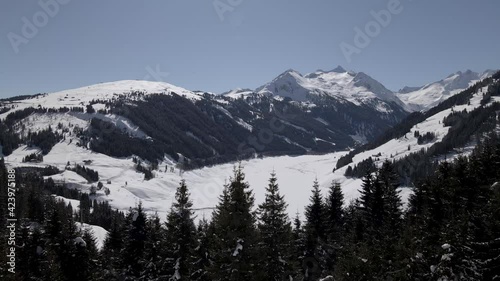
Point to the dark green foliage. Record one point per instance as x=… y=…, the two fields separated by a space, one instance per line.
x=87 y=173
x=427 y=137
x=148 y=174
x=335 y=224
x=44 y=139
x=90 y=109
x=134 y=240
x=234 y=255
x=181 y=233
x=316 y=232
x=275 y=245
x=455 y=207
x=33 y=157
x=202 y=252
x=361 y=169
x=8 y=140
x=110 y=140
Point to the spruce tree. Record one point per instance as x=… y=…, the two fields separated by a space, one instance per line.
x=202 y=252
x=275 y=246
x=181 y=234
x=366 y=197
x=390 y=182
x=299 y=245
x=113 y=245
x=335 y=218
x=335 y=211
x=235 y=257
x=132 y=255
x=154 y=252
x=316 y=229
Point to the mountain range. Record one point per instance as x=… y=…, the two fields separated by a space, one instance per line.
x=323 y=111
x=143 y=137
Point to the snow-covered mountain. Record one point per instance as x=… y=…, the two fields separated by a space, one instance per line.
x=102 y=92
x=357 y=88
x=425 y=97
x=445 y=131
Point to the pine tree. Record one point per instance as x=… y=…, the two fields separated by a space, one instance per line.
x=181 y=234
x=84 y=257
x=335 y=212
x=390 y=182
x=378 y=208
x=316 y=214
x=299 y=245
x=275 y=245
x=31 y=257
x=316 y=229
x=366 y=197
x=235 y=234
x=202 y=252
x=335 y=217
x=111 y=251
x=132 y=255
x=154 y=252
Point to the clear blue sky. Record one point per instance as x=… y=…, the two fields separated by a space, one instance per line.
x=92 y=41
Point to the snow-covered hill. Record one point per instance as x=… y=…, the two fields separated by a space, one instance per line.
x=425 y=97
x=80 y=97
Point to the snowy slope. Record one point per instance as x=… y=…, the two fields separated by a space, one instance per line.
x=238 y=93
x=428 y=96
x=98 y=232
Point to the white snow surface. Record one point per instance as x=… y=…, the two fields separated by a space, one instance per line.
x=98 y=232
x=238 y=93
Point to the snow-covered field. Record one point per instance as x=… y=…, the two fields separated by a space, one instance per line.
x=295 y=177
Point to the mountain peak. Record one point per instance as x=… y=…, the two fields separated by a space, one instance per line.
x=290 y=71
x=408 y=89
x=338 y=69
